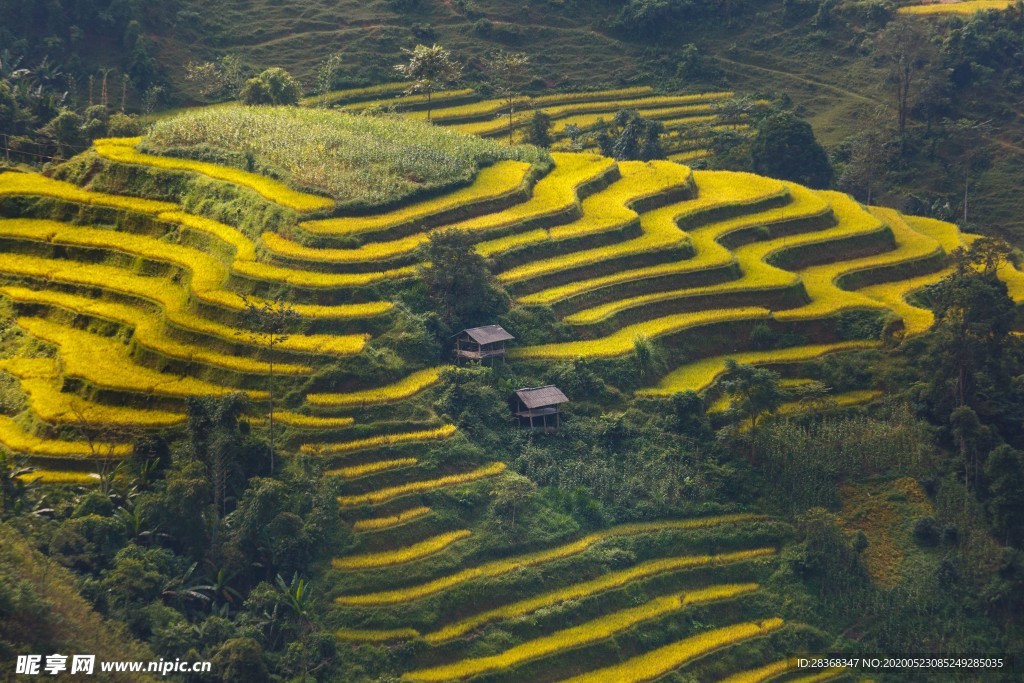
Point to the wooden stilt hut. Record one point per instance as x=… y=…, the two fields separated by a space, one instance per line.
x=481 y=343
x=539 y=407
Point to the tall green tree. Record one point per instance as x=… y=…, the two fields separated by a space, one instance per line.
x=753 y=393
x=631 y=137
x=458 y=282
x=905 y=49
x=784 y=147
x=273 y=86
x=509 y=73
x=428 y=70
x=974 y=317
x=269 y=323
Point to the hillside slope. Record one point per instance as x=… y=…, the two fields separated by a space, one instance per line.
x=125 y=292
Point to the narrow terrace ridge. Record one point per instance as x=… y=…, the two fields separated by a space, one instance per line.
x=122 y=150
x=499 y=568
x=592 y=631
x=607 y=212
x=505 y=180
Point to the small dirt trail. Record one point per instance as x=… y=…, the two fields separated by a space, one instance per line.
x=802 y=79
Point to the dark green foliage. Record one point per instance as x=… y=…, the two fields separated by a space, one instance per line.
x=785 y=147
x=631 y=137
x=461 y=288
x=985 y=49
x=861 y=324
x=828 y=559
x=926 y=531
x=578 y=378
x=688 y=417
x=241 y=659
x=806 y=461
x=273 y=86
x=654 y=18
x=214 y=439
x=538 y=132
x=969 y=363
x=1004 y=475
x=470 y=399
x=753 y=392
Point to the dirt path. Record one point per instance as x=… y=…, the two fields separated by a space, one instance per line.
x=802 y=79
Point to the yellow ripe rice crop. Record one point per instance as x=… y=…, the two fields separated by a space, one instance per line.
x=104 y=362
x=763 y=673
x=820 y=281
x=40 y=380
x=607 y=582
x=894 y=295
x=592 y=631
x=382 y=440
x=390 y=493
x=364 y=636
x=17 y=440
x=945 y=233
x=208 y=273
x=502 y=567
x=172 y=300
x=553 y=194
x=444 y=115
x=715 y=189
x=381 y=523
x=679 y=116
x=122 y=150
x=587 y=113
x=409 y=100
x=492 y=182
x=758 y=274
x=247 y=263
x=149 y=331
x=403 y=389
x=622 y=340
x=701 y=374
x=356 y=471
x=660 y=226
x=316 y=280
x=353 y=93
x=390 y=558
x=967 y=7
x=374 y=251
x=657 y=663
x=312 y=421
x=607 y=210
x=244 y=248
x=842 y=400
x=689 y=155
x=61 y=477
x=34 y=184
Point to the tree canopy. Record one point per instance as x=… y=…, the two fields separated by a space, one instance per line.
x=273 y=86
x=784 y=147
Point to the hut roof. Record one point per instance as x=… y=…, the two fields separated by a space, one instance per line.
x=488 y=334
x=538 y=397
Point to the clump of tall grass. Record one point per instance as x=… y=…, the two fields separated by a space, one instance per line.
x=361 y=161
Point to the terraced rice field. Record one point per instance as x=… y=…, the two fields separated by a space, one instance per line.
x=489 y=118
x=966 y=7
x=137 y=308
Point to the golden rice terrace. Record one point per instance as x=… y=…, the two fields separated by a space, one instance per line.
x=130 y=305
